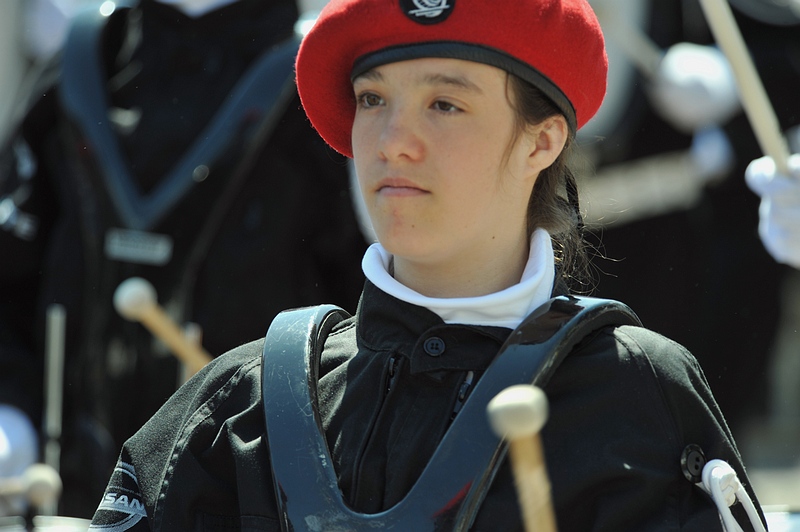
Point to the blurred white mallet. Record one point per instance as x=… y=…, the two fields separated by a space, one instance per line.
x=517 y=414
x=135 y=300
x=691 y=86
x=40 y=484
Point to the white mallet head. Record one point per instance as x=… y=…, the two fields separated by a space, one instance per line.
x=42 y=484
x=134 y=297
x=695 y=87
x=518 y=411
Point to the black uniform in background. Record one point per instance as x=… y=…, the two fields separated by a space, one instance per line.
x=263 y=225
x=702 y=275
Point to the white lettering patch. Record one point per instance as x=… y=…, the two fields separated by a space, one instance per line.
x=138 y=247
x=121 y=508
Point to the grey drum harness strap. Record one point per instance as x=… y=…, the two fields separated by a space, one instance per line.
x=449 y=492
x=258 y=101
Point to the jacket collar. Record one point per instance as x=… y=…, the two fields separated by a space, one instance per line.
x=385 y=323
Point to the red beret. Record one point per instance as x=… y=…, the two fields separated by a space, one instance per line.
x=557 y=45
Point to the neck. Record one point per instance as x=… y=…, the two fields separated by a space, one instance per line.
x=504 y=308
x=497 y=268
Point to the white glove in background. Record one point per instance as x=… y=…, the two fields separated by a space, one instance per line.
x=779 y=213
x=18 y=450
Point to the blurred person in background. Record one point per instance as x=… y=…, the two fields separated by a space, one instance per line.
x=31 y=33
x=668 y=199
x=166 y=142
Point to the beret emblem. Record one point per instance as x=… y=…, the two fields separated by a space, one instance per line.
x=427 y=11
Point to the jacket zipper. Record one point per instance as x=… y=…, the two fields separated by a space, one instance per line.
x=463 y=392
x=389 y=381
x=391 y=375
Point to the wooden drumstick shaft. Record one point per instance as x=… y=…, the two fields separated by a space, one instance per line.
x=55 y=331
x=135 y=300
x=753 y=95
x=517 y=414
x=532 y=482
x=165 y=329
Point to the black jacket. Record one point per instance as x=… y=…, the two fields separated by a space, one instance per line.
x=624 y=405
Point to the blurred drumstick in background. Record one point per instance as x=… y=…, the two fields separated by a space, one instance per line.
x=135 y=299
x=55 y=337
x=751 y=90
x=517 y=414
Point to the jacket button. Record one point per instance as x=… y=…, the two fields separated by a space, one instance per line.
x=433 y=346
x=693 y=459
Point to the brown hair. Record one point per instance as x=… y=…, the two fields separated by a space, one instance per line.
x=553 y=204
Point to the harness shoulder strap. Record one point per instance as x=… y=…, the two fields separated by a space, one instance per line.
x=450 y=490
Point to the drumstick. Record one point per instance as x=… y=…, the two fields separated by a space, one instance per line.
x=135 y=300
x=54 y=382
x=55 y=330
x=518 y=413
x=754 y=98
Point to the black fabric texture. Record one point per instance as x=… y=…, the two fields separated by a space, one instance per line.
x=623 y=406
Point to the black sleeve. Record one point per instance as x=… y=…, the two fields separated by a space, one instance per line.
x=623 y=409
x=200 y=462
x=122 y=507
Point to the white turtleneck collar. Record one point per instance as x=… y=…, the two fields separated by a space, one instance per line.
x=506 y=308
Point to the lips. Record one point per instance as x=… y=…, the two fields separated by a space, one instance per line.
x=399 y=186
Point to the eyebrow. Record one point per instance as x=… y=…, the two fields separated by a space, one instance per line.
x=454 y=81
x=460 y=82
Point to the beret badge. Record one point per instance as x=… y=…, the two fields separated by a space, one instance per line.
x=427 y=11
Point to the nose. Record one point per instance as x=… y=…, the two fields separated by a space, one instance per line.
x=401 y=137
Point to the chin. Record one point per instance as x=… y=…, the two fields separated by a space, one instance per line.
x=406 y=246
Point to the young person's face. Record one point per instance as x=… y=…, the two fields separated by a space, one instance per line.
x=432 y=150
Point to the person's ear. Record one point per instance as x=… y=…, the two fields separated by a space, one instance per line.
x=547 y=141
